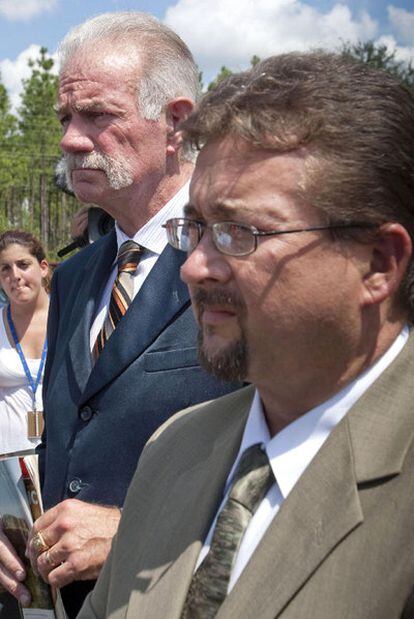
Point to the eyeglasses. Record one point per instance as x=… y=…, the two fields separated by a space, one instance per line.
x=231 y=238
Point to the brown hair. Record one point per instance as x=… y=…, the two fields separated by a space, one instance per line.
x=356 y=123
x=32 y=244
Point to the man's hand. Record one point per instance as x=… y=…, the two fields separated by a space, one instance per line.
x=79 y=222
x=79 y=537
x=12 y=571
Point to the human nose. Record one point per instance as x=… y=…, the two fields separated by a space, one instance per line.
x=15 y=271
x=205 y=263
x=76 y=138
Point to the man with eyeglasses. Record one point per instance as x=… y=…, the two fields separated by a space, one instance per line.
x=294 y=497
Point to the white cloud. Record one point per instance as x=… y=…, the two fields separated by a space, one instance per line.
x=21 y=10
x=402 y=23
x=402 y=54
x=230 y=31
x=14 y=71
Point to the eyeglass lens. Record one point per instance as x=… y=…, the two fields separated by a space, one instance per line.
x=229 y=238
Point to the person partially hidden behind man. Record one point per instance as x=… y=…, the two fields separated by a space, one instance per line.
x=299 y=235
x=113 y=376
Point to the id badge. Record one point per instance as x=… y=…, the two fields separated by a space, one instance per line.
x=35 y=424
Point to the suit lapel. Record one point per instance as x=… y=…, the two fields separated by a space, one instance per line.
x=161 y=297
x=203 y=479
x=323 y=508
x=94 y=280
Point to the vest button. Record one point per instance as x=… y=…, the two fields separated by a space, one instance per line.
x=86 y=413
x=75 y=485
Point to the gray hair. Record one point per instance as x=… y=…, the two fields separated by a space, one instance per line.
x=167 y=66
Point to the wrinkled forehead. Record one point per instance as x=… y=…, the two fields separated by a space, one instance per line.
x=96 y=80
x=232 y=170
x=106 y=67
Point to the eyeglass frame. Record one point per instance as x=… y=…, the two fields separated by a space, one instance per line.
x=255 y=232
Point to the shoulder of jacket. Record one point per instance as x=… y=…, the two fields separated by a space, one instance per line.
x=201 y=413
x=82 y=257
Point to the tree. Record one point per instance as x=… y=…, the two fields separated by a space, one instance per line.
x=39 y=137
x=379 y=56
x=225 y=72
x=39 y=133
x=9 y=164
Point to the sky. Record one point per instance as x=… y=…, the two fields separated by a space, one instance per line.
x=218 y=32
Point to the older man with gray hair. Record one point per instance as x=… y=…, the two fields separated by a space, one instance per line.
x=122 y=355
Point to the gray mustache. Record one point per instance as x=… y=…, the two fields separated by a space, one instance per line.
x=95 y=161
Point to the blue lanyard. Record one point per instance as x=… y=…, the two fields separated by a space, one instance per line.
x=32 y=384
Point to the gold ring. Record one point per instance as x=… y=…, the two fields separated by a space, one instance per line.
x=49 y=559
x=39 y=543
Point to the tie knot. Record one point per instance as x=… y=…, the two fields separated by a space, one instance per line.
x=253 y=477
x=129 y=255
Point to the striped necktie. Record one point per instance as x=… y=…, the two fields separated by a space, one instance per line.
x=128 y=258
x=208 y=587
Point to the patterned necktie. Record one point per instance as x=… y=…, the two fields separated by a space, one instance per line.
x=129 y=255
x=208 y=588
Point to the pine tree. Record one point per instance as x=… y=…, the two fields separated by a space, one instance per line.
x=40 y=135
x=225 y=72
x=379 y=56
x=9 y=162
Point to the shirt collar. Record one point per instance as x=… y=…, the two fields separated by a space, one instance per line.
x=293 y=448
x=152 y=236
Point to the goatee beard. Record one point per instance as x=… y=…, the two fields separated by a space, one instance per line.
x=229 y=364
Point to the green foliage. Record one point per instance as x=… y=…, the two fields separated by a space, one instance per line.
x=381 y=57
x=38 y=125
x=29 y=151
x=225 y=72
x=8 y=129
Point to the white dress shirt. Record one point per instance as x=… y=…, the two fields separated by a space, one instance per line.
x=292 y=450
x=154 y=239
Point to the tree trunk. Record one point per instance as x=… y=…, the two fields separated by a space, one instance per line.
x=44 y=219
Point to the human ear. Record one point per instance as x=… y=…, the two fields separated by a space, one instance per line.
x=177 y=110
x=44 y=268
x=389 y=258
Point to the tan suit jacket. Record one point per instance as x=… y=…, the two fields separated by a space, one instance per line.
x=341 y=546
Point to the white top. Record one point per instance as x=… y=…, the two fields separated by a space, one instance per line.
x=154 y=239
x=292 y=450
x=15 y=396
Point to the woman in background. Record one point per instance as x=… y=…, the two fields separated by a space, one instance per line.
x=24 y=277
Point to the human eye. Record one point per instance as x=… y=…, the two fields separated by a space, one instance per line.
x=100 y=116
x=64 y=120
x=233 y=238
x=24 y=264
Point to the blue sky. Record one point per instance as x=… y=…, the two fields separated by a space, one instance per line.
x=217 y=31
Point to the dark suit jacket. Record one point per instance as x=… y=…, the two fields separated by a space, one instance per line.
x=98 y=418
x=340 y=547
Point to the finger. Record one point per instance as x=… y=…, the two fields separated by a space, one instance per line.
x=47 y=562
x=44 y=521
x=37 y=545
x=43 y=526
x=62 y=575
x=10 y=583
x=10 y=559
